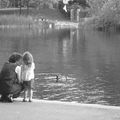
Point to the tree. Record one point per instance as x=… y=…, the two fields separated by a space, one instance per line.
x=96 y=5
x=109 y=16
x=111 y=11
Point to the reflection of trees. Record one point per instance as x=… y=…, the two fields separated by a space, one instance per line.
x=63 y=39
x=77 y=40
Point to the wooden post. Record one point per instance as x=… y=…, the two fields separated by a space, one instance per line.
x=20 y=7
x=27 y=7
x=78 y=15
x=14 y=6
x=0 y=4
x=72 y=14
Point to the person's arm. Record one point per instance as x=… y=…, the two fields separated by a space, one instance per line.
x=32 y=74
x=34 y=70
x=18 y=71
x=33 y=65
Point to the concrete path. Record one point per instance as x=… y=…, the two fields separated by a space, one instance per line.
x=48 y=110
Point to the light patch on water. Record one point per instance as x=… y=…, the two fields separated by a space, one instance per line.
x=50 y=77
x=72 y=89
x=55 y=84
x=56 y=76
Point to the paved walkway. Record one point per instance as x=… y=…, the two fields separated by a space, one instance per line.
x=48 y=110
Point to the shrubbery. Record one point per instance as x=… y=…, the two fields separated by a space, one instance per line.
x=108 y=16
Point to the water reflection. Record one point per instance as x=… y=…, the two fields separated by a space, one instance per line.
x=87 y=63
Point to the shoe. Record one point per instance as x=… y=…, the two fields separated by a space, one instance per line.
x=9 y=99
x=2 y=99
x=30 y=100
x=24 y=100
x=5 y=98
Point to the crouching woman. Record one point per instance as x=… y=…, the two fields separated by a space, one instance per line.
x=10 y=86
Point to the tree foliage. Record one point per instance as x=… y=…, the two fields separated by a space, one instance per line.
x=108 y=16
x=111 y=12
x=96 y=5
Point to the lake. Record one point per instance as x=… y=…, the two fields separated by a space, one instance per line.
x=86 y=63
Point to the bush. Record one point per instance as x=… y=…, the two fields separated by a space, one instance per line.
x=96 y=5
x=108 y=17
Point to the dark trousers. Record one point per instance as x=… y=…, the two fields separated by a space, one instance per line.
x=15 y=90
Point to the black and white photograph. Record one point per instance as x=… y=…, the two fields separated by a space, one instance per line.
x=59 y=59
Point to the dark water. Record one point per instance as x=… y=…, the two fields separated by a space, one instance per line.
x=86 y=62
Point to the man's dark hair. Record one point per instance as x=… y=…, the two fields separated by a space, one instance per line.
x=15 y=57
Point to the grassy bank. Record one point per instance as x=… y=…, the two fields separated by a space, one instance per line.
x=11 y=17
x=14 y=21
x=36 y=18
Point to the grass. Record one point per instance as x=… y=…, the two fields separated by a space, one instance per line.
x=15 y=20
x=11 y=17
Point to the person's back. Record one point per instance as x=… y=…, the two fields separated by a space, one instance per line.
x=8 y=77
x=9 y=86
x=28 y=72
x=27 y=75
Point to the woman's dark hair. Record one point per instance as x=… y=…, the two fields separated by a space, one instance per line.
x=15 y=57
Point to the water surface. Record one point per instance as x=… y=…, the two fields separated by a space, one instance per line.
x=86 y=62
